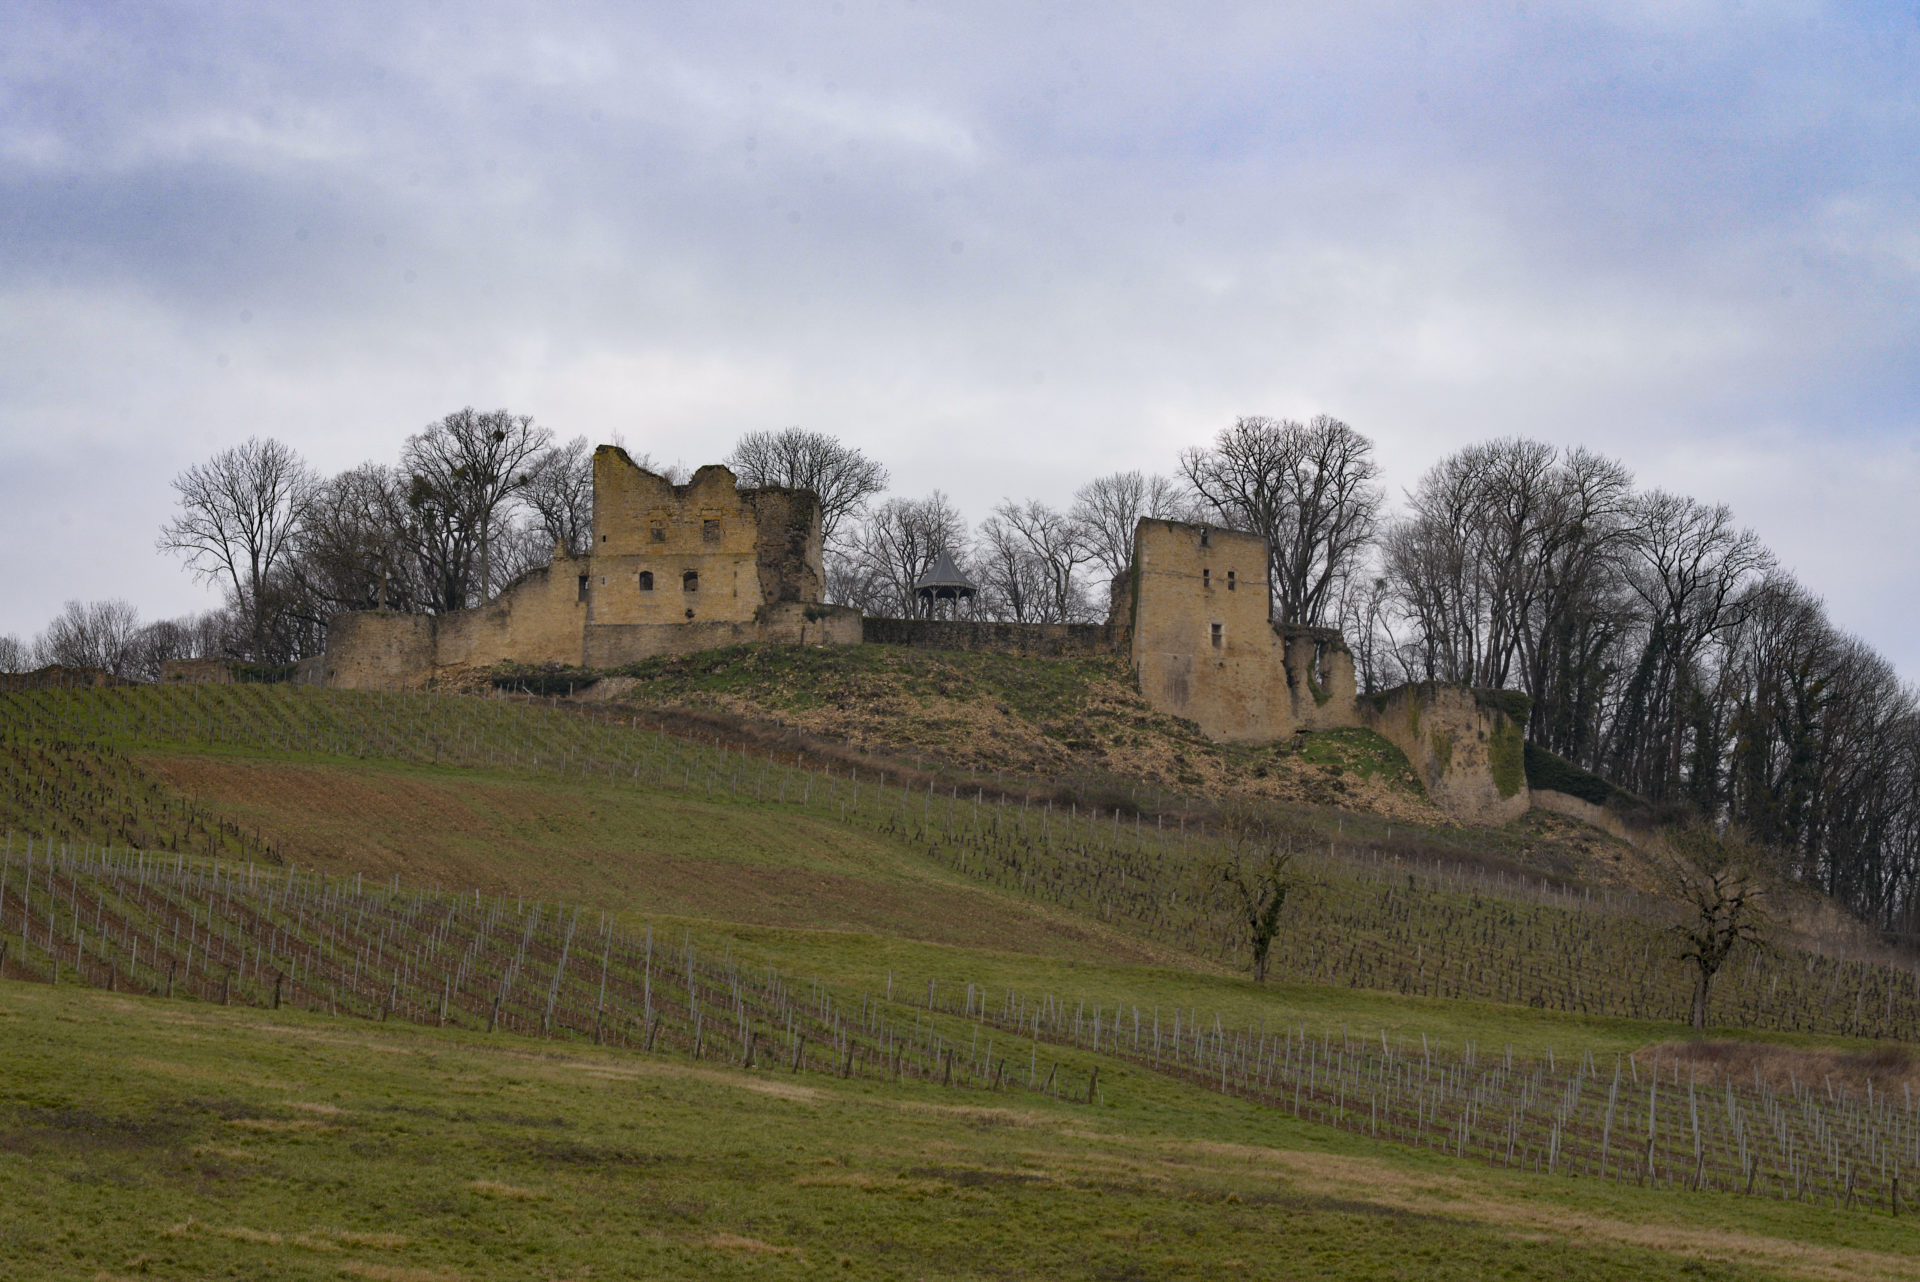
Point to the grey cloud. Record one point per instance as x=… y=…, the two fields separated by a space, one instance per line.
x=1625 y=225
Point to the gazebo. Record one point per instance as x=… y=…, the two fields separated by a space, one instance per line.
x=944 y=582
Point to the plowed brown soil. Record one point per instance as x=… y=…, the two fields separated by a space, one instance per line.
x=623 y=849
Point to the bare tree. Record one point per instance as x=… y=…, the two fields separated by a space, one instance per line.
x=1720 y=878
x=896 y=544
x=94 y=634
x=840 y=476
x=1109 y=510
x=200 y=636
x=1033 y=555
x=1505 y=543
x=240 y=514
x=1366 y=619
x=561 y=496
x=464 y=473
x=1307 y=488
x=15 y=654
x=1011 y=580
x=1258 y=870
x=357 y=547
x=1694 y=573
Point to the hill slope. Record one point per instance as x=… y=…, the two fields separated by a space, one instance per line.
x=865 y=934
x=1076 y=721
x=199 y=1140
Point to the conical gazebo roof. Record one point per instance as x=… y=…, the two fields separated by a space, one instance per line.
x=944 y=581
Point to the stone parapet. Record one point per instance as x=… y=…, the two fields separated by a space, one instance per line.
x=1035 y=640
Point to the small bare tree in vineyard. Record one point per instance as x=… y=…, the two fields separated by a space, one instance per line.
x=1721 y=879
x=1258 y=869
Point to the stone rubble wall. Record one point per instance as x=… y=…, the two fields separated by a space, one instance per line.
x=1466 y=750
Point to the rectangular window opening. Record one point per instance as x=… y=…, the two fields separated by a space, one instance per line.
x=1230 y=582
x=583 y=587
x=1216 y=636
x=709 y=531
x=690 y=581
x=646 y=580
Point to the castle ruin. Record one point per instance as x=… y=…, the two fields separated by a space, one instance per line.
x=1198 y=625
x=675 y=569
x=671 y=569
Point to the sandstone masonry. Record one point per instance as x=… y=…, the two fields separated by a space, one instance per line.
x=672 y=569
x=1199 y=633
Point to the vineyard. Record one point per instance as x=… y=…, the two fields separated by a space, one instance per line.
x=1368 y=918
x=203 y=930
x=179 y=928
x=1573 y=1119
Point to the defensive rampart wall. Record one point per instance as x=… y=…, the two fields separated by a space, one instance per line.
x=1466 y=749
x=1035 y=640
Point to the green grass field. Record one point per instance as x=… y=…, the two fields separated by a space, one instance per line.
x=140 y=1138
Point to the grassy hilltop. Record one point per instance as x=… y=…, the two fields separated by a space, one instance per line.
x=885 y=964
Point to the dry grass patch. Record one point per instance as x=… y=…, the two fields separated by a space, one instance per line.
x=494 y=1188
x=759 y=1081
x=372 y=1241
x=277 y=1125
x=746 y=1245
x=898 y=1184
x=395 y=1273
x=1890 y=1068
x=205 y=1073
x=1369 y=1180
x=969 y=1112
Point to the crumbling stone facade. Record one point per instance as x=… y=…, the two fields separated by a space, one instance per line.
x=1205 y=647
x=672 y=569
x=675 y=569
x=1467 y=751
x=1197 y=611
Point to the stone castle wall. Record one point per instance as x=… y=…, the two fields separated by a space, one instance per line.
x=1467 y=751
x=1203 y=643
x=1032 y=640
x=672 y=569
x=613 y=645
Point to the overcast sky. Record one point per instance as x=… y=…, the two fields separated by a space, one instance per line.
x=1002 y=248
